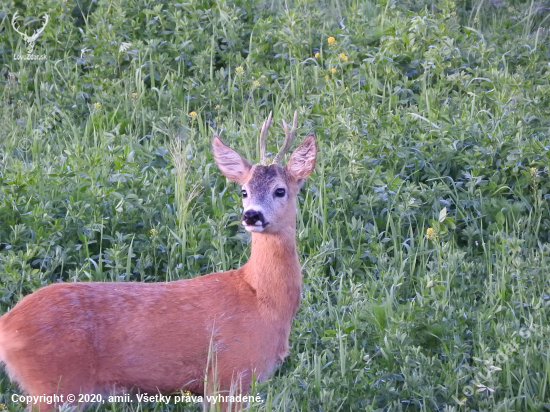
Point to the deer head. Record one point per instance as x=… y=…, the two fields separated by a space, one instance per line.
x=269 y=191
x=30 y=39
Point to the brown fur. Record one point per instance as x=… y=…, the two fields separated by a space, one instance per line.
x=108 y=338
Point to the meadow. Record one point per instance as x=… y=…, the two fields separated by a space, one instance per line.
x=424 y=233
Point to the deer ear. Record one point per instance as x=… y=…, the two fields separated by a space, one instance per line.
x=302 y=160
x=231 y=164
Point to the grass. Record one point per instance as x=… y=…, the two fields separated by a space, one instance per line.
x=428 y=116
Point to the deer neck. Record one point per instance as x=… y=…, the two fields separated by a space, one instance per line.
x=274 y=272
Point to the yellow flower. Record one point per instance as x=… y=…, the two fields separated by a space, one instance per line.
x=331 y=40
x=134 y=95
x=256 y=83
x=326 y=77
x=239 y=70
x=430 y=233
x=97 y=105
x=317 y=55
x=533 y=171
x=193 y=114
x=217 y=107
x=333 y=70
x=153 y=231
x=344 y=57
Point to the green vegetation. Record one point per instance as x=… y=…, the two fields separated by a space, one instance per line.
x=424 y=233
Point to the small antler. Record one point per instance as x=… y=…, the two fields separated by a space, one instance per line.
x=39 y=31
x=289 y=136
x=13 y=24
x=263 y=135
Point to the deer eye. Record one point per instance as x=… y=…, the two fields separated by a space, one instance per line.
x=280 y=192
x=244 y=193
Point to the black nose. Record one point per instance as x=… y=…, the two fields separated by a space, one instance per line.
x=250 y=217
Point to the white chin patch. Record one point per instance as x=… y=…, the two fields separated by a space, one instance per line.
x=258 y=227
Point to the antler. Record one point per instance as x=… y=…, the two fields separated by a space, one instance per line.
x=263 y=135
x=39 y=31
x=13 y=25
x=289 y=136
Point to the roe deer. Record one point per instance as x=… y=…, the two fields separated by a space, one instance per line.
x=109 y=338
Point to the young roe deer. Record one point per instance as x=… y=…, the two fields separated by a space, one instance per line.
x=108 y=338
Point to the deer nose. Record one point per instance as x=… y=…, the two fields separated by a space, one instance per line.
x=253 y=218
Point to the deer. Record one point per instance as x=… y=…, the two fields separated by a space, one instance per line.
x=30 y=40
x=212 y=334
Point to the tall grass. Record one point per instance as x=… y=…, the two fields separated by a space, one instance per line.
x=424 y=233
